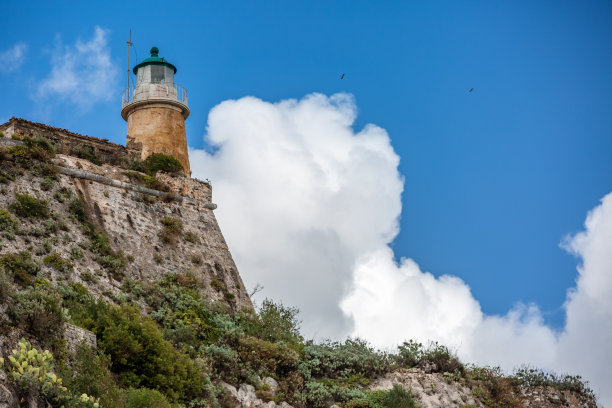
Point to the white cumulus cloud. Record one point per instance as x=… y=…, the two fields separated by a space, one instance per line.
x=309 y=205
x=390 y=302
x=82 y=73
x=301 y=195
x=12 y=58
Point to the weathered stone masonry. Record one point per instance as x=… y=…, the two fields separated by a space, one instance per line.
x=130 y=214
x=65 y=140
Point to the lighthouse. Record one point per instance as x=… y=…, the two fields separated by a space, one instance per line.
x=155 y=109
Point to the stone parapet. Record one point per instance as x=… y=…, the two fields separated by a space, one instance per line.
x=66 y=141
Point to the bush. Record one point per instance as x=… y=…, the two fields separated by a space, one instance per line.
x=8 y=224
x=139 y=353
x=342 y=360
x=4 y=176
x=317 y=395
x=171 y=230
x=397 y=397
x=63 y=194
x=61 y=264
x=38 y=143
x=178 y=308
x=89 y=373
x=157 y=162
x=85 y=152
x=20 y=266
x=534 y=377
x=47 y=183
x=78 y=208
x=6 y=287
x=273 y=358
x=76 y=253
x=439 y=357
x=146 y=398
x=27 y=206
x=192 y=237
x=275 y=322
x=39 y=310
x=38 y=149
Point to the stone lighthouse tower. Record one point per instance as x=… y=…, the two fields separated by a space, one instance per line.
x=155 y=109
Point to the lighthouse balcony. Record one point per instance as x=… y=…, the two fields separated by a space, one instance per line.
x=143 y=93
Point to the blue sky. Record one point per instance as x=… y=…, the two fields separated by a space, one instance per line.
x=494 y=179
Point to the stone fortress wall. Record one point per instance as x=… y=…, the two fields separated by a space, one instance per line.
x=65 y=141
x=131 y=215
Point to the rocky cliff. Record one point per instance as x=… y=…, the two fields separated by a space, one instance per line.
x=132 y=215
x=117 y=289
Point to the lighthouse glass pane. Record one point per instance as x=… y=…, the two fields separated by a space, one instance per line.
x=157 y=73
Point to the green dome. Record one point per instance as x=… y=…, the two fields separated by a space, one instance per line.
x=154 y=60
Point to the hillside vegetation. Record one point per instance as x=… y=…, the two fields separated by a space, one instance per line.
x=163 y=343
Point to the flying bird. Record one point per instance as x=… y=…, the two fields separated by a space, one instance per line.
x=471 y=89
x=342 y=76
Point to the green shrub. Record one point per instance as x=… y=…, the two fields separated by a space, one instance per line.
x=76 y=253
x=38 y=142
x=27 y=206
x=225 y=361
x=1 y=134
x=8 y=224
x=535 y=377
x=85 y=152
x=412 y=353
x=89 y=373
x=139 y=353
x=44 y=169
x=184 y=316
x=192 y=237
x=78 y=208
x=63 y=194
x=261 y=355
x=278 y=323
x=155 y=184
x=38 y=149
x=397 y=397
x=20 y=266
x=218 y=285
x=47 y=183
x=171 y=230
x=146 y=398
x=318 y=395
x=6 y=287
x=5 y=177
x=58 y=262
x=157 y=162
x=15 y=136
x=342 y=360
x=38 y=310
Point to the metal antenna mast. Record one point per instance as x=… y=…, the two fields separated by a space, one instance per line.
x=129 y=43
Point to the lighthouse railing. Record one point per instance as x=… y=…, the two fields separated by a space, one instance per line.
x=143 y=91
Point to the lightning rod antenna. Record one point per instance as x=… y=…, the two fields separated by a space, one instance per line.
x=129 y=43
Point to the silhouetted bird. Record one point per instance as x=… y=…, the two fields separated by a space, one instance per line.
x=471 y=89
x=342 y=76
